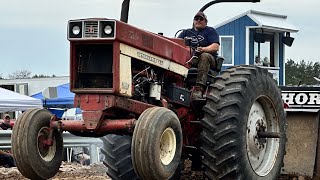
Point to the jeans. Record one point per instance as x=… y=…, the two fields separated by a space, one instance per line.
x=204 y=63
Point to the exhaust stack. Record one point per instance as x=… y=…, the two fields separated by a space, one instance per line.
x=125 y=11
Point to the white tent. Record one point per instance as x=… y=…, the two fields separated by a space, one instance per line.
x=12 y=101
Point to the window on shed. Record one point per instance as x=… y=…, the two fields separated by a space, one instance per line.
x=227 y=49
x=264 y=51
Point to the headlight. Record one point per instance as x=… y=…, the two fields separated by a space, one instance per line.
x=76 y=30
x=107 y=29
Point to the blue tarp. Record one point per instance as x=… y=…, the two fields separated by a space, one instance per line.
x=57 y=112
x=64 y=100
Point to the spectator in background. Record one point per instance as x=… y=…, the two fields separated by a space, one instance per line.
x=266 y=62
x=6 y=159
x=5 y=125
x=257 y=61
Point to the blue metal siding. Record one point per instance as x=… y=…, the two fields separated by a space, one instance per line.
x=237 y=28
x=242 y=53
x=237 y=43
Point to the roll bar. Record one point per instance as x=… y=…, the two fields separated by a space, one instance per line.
x=220 y=1
x=126 y=4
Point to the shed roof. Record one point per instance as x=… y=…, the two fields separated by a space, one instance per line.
x=265 y=20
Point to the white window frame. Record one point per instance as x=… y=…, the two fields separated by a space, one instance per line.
x=220 y=52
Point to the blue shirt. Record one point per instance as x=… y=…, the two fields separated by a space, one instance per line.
x=204 y=37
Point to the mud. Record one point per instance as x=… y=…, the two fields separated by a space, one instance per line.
x=67 y=171
x=76 y=171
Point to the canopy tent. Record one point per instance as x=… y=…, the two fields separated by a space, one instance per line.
x=64 y=100
x=12 y=101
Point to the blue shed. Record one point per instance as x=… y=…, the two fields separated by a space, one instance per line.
x=256 y=38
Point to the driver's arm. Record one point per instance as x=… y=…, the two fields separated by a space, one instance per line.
x=214 y=39
x=212 y=48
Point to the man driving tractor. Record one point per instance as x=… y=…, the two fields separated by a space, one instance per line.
x=204 y=40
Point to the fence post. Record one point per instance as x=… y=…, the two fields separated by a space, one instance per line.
x=93 y=154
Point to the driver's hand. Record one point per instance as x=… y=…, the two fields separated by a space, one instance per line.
x=200 y=49
x=187 y=41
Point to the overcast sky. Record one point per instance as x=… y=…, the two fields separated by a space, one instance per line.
x=33 y=32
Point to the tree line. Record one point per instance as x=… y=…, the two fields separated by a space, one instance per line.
x=301 y=73
x=24 y=74
x=296 y=73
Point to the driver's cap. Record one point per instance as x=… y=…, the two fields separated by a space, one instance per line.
x=201 y=14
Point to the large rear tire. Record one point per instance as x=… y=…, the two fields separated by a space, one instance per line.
x=156 y=144
x=34 y=159
x=117 y=153
x=243 y=101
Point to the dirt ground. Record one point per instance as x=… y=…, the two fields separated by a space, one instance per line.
x=67 y=171
x=75 y=171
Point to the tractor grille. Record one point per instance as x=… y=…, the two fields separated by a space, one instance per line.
x=94 y=66
x=91 y=29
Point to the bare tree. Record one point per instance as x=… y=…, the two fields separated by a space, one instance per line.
x=20 y=74
x=1 y=76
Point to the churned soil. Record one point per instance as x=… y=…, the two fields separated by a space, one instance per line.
x=75 y=171
x=67 y=171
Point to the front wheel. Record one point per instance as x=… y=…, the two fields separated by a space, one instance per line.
x=35 y=159
x=243 y=105
x=156 y=144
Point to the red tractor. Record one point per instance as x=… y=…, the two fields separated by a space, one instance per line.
x=134 y=88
